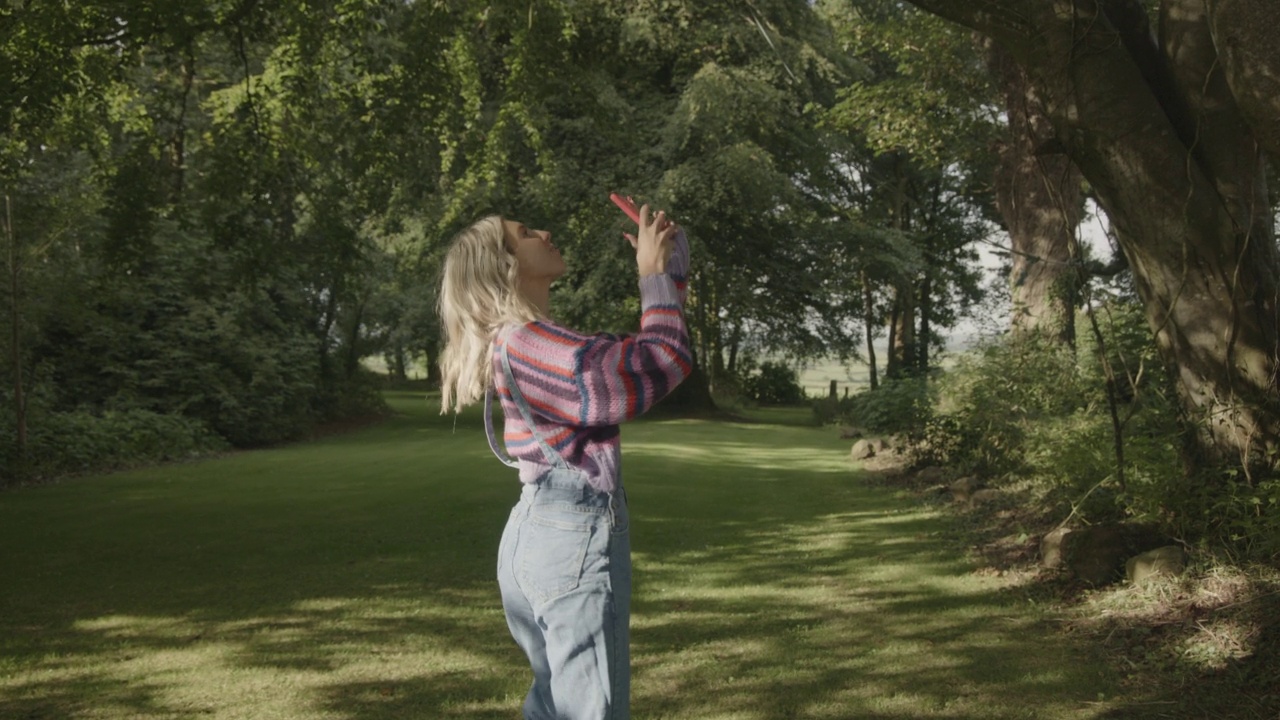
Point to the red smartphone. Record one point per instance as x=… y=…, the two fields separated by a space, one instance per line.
x=627 y=205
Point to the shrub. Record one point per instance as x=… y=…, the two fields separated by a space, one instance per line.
x=896 y=406
x=60 y=443
x=773 y=384
x=988 y=403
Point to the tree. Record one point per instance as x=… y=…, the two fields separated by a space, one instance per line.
x=1039 y=195
x=923 y=121
x=1171 y=126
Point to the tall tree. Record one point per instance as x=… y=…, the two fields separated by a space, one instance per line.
x=1170 y=113
x=1039 y=194
x=921 y=111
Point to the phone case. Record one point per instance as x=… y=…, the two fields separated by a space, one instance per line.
x=627 y=205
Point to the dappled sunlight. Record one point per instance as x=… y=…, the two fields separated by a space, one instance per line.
x=284 y=665
x=857 y=611
x=353 y=580
x=755 y=457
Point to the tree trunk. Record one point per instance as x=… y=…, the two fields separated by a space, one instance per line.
x=1039 y=197
x=1156 y=130
x=903 y=354
x=925 y=296
x=891 y=363
x=868 y=314
x=902 y=330
x=433 y=361
x=735 y=342
x=699 y=334
x=353 y=354
x=178 y=142
x=1244 y=37
x=15 y=317
x=397 y=364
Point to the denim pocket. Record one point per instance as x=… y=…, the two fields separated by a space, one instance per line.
x=551 y=553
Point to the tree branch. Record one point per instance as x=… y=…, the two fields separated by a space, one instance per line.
x=1009 y=22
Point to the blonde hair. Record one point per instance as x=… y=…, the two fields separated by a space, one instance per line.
x=479 y=294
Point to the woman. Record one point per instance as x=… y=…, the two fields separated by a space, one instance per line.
x=564 y=561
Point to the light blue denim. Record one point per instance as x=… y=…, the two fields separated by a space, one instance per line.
x=564 y=569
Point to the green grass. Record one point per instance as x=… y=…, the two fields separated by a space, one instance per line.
x=353 y=578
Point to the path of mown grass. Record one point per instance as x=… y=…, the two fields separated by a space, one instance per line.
x=353 y=578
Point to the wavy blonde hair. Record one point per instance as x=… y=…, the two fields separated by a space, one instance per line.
x=479 y=294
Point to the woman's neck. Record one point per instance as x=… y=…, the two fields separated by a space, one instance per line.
x=538 y=293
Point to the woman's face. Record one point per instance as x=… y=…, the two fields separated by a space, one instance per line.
x=538 y=260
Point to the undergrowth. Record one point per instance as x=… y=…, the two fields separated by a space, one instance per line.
x=1033 y=420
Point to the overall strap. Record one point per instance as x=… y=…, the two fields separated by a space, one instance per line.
x=488 y=430
x=553 y=457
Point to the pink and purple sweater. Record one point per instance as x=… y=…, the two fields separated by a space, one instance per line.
x=580 y=387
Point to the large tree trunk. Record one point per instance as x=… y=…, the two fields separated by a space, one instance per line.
x=902 y=333
x=902 y=323
x=868 y=317
x=1157 y=131
x=1039 y=197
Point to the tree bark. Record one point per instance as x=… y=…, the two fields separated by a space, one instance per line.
x=890 y=361
x=902 y=349
x=1038 y=194
x=925 y=295
x=1186 y=211
x=868 y=313
x=1244 y=36
x=15 y=318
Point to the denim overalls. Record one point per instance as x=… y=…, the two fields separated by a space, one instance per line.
x=564 y=568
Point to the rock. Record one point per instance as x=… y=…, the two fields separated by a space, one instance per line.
x=1167 y=561
x=1097 y=554
x=962 y=490
x=862 y=450
x=1051 y=547
x=935 y=492
x=880 y=445
x=984 y=496
x=931 y=475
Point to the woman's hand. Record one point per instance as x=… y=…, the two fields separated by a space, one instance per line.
x=653 y=246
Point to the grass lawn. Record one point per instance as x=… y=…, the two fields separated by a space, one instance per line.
x=353 y=577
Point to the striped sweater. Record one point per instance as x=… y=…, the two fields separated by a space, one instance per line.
x=580 y=387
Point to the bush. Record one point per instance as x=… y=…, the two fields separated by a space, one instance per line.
x=61 y=443
x=773 y=384
x=987 y=405
x=896 y=406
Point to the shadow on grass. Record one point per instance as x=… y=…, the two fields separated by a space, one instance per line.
x=352 y=578
x=1244 y=688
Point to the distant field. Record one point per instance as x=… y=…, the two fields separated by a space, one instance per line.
x=816 y=377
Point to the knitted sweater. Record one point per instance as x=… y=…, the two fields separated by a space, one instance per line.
x=580 y=387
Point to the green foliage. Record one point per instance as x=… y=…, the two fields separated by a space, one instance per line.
x=926 y=88
x=774 y=383
x=1029 y=413
x=901 y=405
x=59 y=443
x=989 y=401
